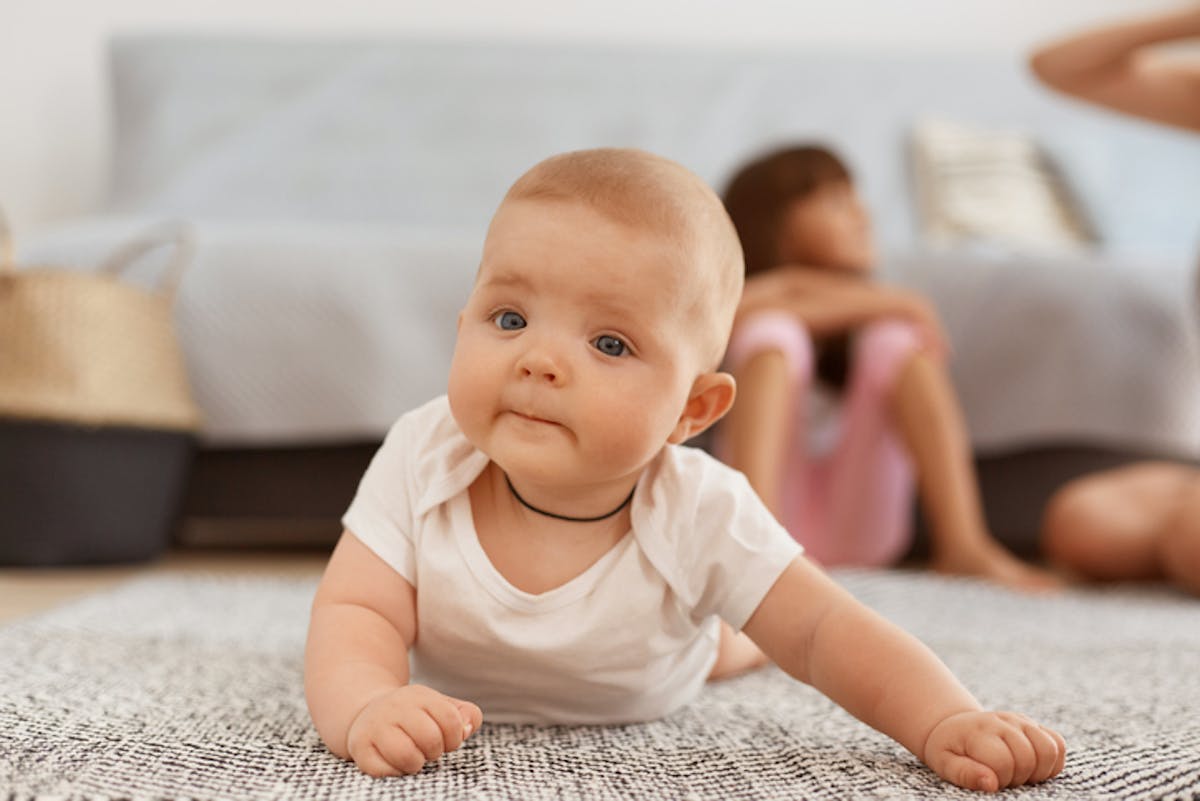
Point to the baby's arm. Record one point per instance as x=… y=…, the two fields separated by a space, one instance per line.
x=821 y=635
x=356 y=670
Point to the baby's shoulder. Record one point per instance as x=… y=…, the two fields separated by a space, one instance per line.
x=422 y=432
x=425 y=445
x=692 y=473
x=427 y=424
x=689 y=490
x=699 y=521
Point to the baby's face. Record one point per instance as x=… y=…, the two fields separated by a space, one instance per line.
x=829 y=227
x=574 y=360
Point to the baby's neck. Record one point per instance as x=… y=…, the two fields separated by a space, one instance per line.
x=535 y=552
x=568 y=518
x=579 y=505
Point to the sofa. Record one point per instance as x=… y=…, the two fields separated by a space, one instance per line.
x=339 y=190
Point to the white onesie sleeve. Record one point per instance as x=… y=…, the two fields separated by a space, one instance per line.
x=382 y=512
x=721 y=549
x=745 y=553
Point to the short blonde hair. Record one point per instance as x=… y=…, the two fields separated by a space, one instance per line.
x=642 y=190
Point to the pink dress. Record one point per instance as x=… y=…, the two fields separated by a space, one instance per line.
x=849 y=502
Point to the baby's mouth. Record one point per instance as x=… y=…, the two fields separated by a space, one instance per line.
x=534 y=418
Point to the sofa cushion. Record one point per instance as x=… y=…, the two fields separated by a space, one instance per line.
x=431 y=133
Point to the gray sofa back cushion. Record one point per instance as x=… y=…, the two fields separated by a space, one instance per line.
x=427 y=133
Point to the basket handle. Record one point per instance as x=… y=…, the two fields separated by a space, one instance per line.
x=174 y=234
x=6 y=246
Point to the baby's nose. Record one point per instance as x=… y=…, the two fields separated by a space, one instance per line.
x=540 y=364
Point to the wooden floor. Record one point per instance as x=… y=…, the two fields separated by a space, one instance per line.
x=24 y=591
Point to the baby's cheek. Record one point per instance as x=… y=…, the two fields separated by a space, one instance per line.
x=467 y=394
x=457 y=391
x=627 y=436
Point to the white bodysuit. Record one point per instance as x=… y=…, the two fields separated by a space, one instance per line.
x=631 y=638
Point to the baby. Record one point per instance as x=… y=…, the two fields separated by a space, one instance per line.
x=539 y=544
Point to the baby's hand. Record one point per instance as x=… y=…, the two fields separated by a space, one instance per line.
x=401 y=730
x=990 y=750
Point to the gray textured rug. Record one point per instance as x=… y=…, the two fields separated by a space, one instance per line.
x=191 y=688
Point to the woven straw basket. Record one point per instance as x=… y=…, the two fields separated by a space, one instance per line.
x=91 y=349
x=96 y=421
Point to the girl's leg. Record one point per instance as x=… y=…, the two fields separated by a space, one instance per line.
x=1179 y=545
x=771 y=358
x=868 y=478
x=1125 y=523
x=930 y=422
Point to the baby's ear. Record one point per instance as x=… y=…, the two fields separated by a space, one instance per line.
x=711 y=396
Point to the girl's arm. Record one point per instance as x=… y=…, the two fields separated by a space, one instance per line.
x=1113 y=66
x=821 y=635
x=356 y=676
x=829 y=304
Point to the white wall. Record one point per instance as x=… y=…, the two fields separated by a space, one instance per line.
x=53 y=102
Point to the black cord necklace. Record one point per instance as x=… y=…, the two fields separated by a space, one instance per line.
x=533 y=508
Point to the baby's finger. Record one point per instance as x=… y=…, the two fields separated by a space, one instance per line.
x=991 y=750
x=360 y=745
x=371 y=762
x=444 y=712
x=1024 y=755
x=426 y=733
x=966 y=772
x=399 y=750
x=1062 y=750
x=472 y=716
x=1047 y=750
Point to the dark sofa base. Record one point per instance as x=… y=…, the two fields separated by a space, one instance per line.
x=271 y=497
x=294 y=497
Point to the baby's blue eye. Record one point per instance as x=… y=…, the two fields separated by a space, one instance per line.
x=509 y=321
x=610 y=346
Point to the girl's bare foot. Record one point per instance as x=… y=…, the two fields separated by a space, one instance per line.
x=991 y=561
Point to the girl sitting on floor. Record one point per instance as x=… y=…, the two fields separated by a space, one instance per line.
x=844 y=401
